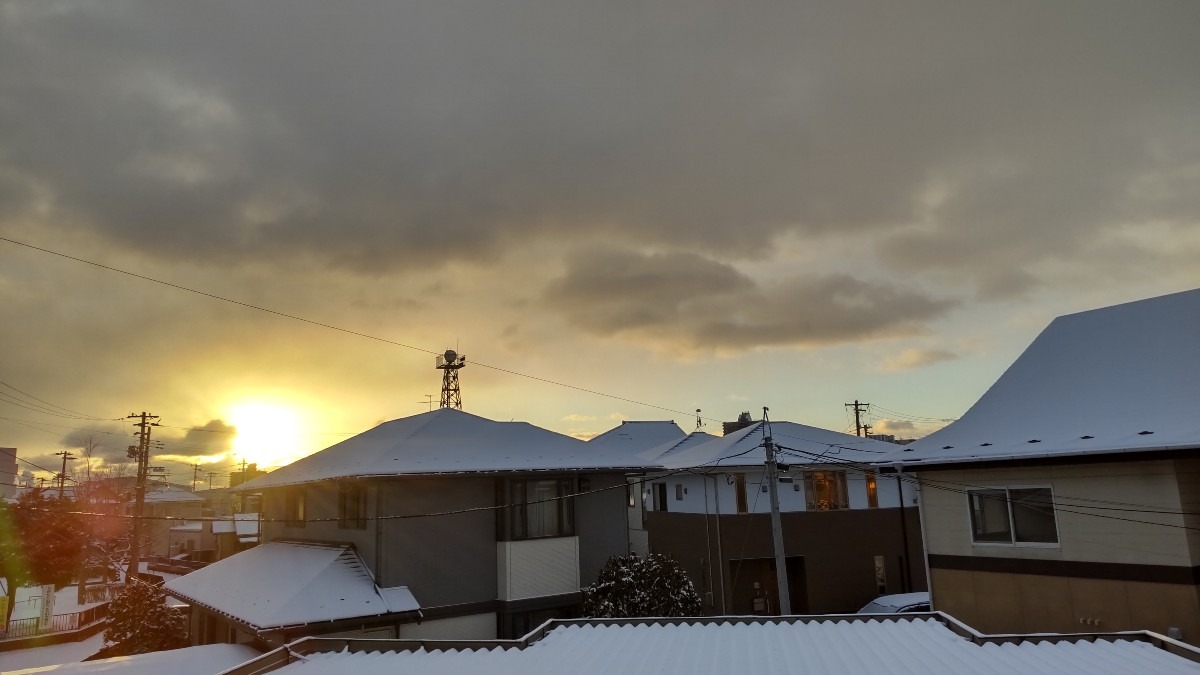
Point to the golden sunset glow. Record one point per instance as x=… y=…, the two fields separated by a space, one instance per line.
x=268 y=434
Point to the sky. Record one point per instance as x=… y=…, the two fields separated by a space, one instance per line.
x=666 y=206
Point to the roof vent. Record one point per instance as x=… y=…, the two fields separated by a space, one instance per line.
x=947 y=447
x=1145 y=433
x=984 y=445
x=1034 y=441
x=908 y=449
x=1086 y=438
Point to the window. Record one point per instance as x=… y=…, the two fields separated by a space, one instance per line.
x=679 y=492
x=872 y=491
x=537 y=509
x=740 y=485
x=293 y=507
x=1013 y=516
x=629 y=495
x=352 y=507
x=825 y=490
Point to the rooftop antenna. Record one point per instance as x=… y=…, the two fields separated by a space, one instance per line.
x=429 y=401
x=450 y=363
x=699 y=421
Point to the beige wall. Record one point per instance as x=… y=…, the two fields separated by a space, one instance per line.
x=993 y=602
x=1086 y=533
x=473 y=627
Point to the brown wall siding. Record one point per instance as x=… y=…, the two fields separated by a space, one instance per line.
x=839 y=549
x=1000 y=602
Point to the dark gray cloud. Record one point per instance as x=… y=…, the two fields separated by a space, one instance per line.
x=688 y=300
x=962 y=141
x=213 y=438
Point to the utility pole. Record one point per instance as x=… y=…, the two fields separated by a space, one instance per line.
x=699 y=421
x=140 y=452
x=62 y=476
x=781 y=577
x=195 y=475
x=858 y=409
x=210 y=477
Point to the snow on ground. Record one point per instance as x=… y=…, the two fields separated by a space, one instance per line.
x=29 y=602
x=70 y=652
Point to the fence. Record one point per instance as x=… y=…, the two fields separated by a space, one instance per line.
x=58 y=623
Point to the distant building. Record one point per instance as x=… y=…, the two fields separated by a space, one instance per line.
x=249 y=473
x=8 y=473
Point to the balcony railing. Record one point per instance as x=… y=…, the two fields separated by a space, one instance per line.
x=58 y=623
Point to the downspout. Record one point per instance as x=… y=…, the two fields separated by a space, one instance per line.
x=905 y=561
x=924 y=541
x=720 y=550
x=378 y=532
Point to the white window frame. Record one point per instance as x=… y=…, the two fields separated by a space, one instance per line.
x=1012 y=529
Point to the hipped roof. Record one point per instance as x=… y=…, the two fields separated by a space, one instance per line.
x=446 y=441
x=1116 y=380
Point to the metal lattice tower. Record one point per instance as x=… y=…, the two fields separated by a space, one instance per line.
x=450 y=363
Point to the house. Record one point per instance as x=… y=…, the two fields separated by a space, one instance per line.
x=166 y=530
x=849 y=534
x=634 y=437
x=1068 y=497
x=490 y=527
x=930 y=643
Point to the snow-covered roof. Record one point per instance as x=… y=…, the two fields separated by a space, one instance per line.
x=446 y=441
x=203 y=660
x=798 y=443
x=290 y=583
x=1120 y=379
x=196 y=526
x=676 y=446
x=171 y=493
x=892 y=646
x=633 y=436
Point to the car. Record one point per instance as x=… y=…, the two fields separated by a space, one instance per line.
x=899 y=603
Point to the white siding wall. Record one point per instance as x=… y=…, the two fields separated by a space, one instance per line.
x=701 y=494
x=538 y=567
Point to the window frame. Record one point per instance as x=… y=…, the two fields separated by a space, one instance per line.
x=295 y=506
x=842 y=490
x=358 y=519
x=1012 y=542
x=512 y=521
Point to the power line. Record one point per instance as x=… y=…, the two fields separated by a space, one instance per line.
x=340 y=329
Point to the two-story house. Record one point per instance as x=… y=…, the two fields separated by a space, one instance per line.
x=1068 y=497
x=849 y=533
x=441 y=525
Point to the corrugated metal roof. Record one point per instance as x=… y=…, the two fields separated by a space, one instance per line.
x=888 y=646
x=289 y=583
x=1113 y=380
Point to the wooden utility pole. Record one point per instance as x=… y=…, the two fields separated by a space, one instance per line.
x=772 y=473
x=195 y=475
x=62 y=475
x=859 y=408
x=140 y=452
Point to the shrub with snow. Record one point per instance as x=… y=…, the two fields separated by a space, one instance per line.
x=139 y=621
x=630 y=586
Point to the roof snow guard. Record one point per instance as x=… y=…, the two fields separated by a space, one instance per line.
x=283 y=584
x=930 y=643
x=1116 y=380
x=447 y=441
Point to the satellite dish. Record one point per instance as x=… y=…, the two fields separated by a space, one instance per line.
x=450 y=356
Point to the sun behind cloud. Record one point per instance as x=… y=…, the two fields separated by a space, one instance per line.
x=268 y=433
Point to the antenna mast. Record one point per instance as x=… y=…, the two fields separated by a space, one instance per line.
x=450 y=363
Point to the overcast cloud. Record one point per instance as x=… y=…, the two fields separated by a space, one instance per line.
x=707 y=178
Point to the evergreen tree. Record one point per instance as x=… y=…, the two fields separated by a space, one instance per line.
x=631 y=586
x=139 y=621
x=41 y=542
